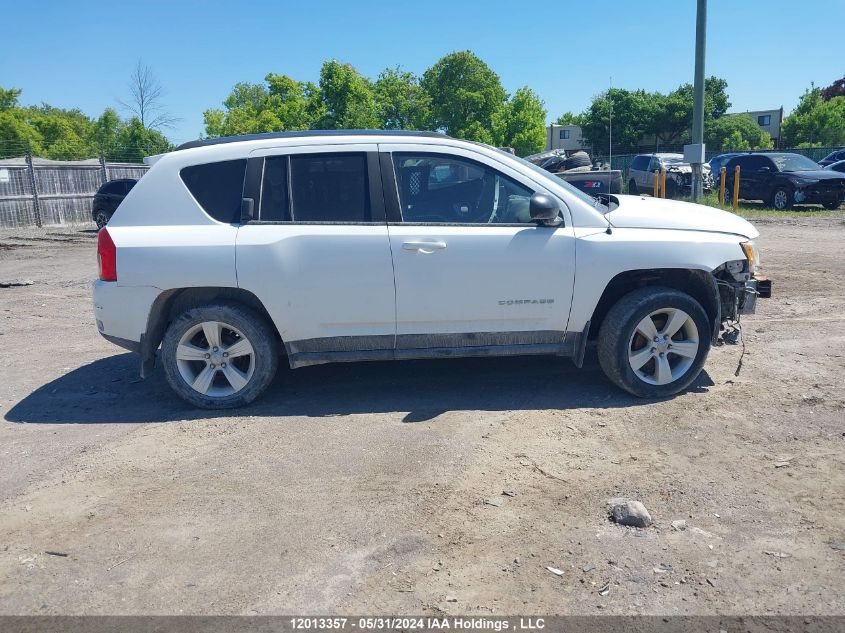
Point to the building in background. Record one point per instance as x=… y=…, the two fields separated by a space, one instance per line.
x=769 y=120
x=566 y=137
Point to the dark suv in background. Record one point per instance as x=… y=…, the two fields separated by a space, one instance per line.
x=833 y=157
x=782 y=180
x=108 y=197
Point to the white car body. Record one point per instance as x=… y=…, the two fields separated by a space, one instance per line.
x=391 y=289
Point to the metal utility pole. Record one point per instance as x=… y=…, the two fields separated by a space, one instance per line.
x=694 y=153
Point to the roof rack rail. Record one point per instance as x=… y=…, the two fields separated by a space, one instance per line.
x=304 y=134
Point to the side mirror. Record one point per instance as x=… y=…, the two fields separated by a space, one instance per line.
x=544 y=209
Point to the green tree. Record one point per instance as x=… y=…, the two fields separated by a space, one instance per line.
x=465 y=96
x=632 y=114
x=283 y=104
x=9 y=98
x=735 y=131
x=17 y=136
x=521 y=123
x=672 y=122
x=401 y=102
x=568 y=118
x=134 y=141
x=347 y=97
x=815 y=121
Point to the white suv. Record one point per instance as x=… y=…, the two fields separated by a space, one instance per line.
x=366 y=245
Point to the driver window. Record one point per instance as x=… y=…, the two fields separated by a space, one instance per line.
x=438 y=188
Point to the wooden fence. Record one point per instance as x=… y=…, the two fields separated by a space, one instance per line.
x=42 y=192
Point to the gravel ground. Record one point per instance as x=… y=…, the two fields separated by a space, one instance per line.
x=362 y=488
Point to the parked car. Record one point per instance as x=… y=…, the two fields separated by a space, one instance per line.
x=783 y=179
x=678 y=174
x=833 y=157
x=107 y=199
x=577 y=169
x=838 y=166
x=322 y=247
x=717 y=162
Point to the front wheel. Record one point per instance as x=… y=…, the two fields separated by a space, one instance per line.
x=101 y=218
x=654 y=341
x=832 y=206
x=782 y=198
x=219 y=356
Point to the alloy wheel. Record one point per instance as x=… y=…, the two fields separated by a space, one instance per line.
x=215 y=359
x=664 y=346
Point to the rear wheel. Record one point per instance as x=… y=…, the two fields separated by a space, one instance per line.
x=632 y=187
x=219 y=356
x=654 y=341
x=832 y=206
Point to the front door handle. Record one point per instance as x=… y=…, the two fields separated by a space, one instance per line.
x=424 y=246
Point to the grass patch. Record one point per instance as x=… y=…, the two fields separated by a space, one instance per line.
x=759 y=209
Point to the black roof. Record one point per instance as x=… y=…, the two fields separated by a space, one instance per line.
x=305 y=134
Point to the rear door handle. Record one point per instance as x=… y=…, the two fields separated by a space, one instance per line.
x=424 y=246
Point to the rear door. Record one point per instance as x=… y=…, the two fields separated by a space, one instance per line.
x=317 y=251
x=473 y=272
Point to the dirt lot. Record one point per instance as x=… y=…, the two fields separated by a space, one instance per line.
x=360 y=489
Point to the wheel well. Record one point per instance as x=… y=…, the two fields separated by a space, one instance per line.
x=171 y=303
x=699 y=284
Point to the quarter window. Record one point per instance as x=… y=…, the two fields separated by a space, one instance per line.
x=217 y=187
x=438 y=188
x=329 y=188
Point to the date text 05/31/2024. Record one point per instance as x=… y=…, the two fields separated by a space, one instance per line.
x=455 y=623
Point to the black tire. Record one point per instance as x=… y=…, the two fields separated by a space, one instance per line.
x=632 y=188
x=254 y=328
x=729 y=195
x=831 y=206
x=578 y=159
x=782 y=198
x=101 y=218
x=617 y=335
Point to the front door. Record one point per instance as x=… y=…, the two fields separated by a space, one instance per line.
x=471 y=268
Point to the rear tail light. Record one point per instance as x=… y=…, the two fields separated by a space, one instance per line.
x=106 y=256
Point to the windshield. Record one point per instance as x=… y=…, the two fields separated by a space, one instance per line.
x=593 y=202
x=794 y=162
x=672 y=160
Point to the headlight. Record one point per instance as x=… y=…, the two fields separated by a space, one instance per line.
x=752 y=255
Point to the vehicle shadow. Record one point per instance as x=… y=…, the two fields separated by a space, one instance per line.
x=108 y=391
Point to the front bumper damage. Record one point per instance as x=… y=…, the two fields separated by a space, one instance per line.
x=740 y=297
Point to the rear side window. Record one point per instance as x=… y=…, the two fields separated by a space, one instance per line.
x=114 y=187
x=218 y=187
x=640 y=163
x=329 y=188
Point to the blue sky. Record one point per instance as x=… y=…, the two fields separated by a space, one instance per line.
x=80 y=54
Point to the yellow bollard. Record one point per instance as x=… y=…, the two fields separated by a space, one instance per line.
x=662 y=183
x=656 y=192
x=735 y=199
x=723 y=173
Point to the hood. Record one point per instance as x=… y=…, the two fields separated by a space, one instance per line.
x=638 y=212
x=815 y=174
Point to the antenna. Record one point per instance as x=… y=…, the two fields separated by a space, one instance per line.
x=610 y=138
